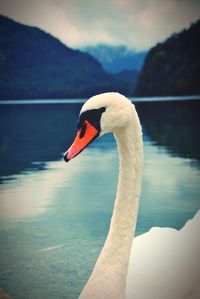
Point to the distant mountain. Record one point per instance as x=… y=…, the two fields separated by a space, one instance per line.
x=34 y=64
x=129 y=77
x=115 y=59
x=172 y=67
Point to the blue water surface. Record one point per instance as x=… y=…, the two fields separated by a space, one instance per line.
x=54 y=216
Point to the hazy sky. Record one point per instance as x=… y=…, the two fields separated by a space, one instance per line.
x=138 y=24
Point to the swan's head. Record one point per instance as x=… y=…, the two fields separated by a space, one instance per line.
x=103 y=113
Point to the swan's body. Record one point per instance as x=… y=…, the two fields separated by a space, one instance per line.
x=165 y=263
x=112 y=112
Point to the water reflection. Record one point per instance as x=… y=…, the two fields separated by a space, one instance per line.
x=28 y=194
x=170 y=190
x=173 y=124
x=34 y=133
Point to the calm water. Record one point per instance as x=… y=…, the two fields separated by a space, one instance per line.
x=55 y=216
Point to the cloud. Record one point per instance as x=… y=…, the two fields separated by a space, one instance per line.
x=139 y=24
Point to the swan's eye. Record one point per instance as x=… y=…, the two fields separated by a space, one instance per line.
x=83 y=130
x=93 y=116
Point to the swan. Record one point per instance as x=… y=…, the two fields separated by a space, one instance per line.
x=105 y=113
x=101 y=114
x=165 y=263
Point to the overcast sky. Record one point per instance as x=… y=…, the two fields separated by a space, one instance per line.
x=138 y=24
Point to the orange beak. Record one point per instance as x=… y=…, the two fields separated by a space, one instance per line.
x=85 y=135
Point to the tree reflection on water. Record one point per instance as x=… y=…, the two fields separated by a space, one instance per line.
x=173 y=124
x=32 y=134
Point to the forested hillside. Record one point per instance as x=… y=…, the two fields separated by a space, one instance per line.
x=173 y=67
x=34 y=64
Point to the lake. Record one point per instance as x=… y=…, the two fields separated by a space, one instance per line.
x=54 y=216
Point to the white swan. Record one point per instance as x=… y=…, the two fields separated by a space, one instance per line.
x=165 y=263
x=112 y=112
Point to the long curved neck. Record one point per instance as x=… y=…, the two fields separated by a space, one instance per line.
x=108 y=280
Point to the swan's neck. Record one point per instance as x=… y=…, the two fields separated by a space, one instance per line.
x=108 y=279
